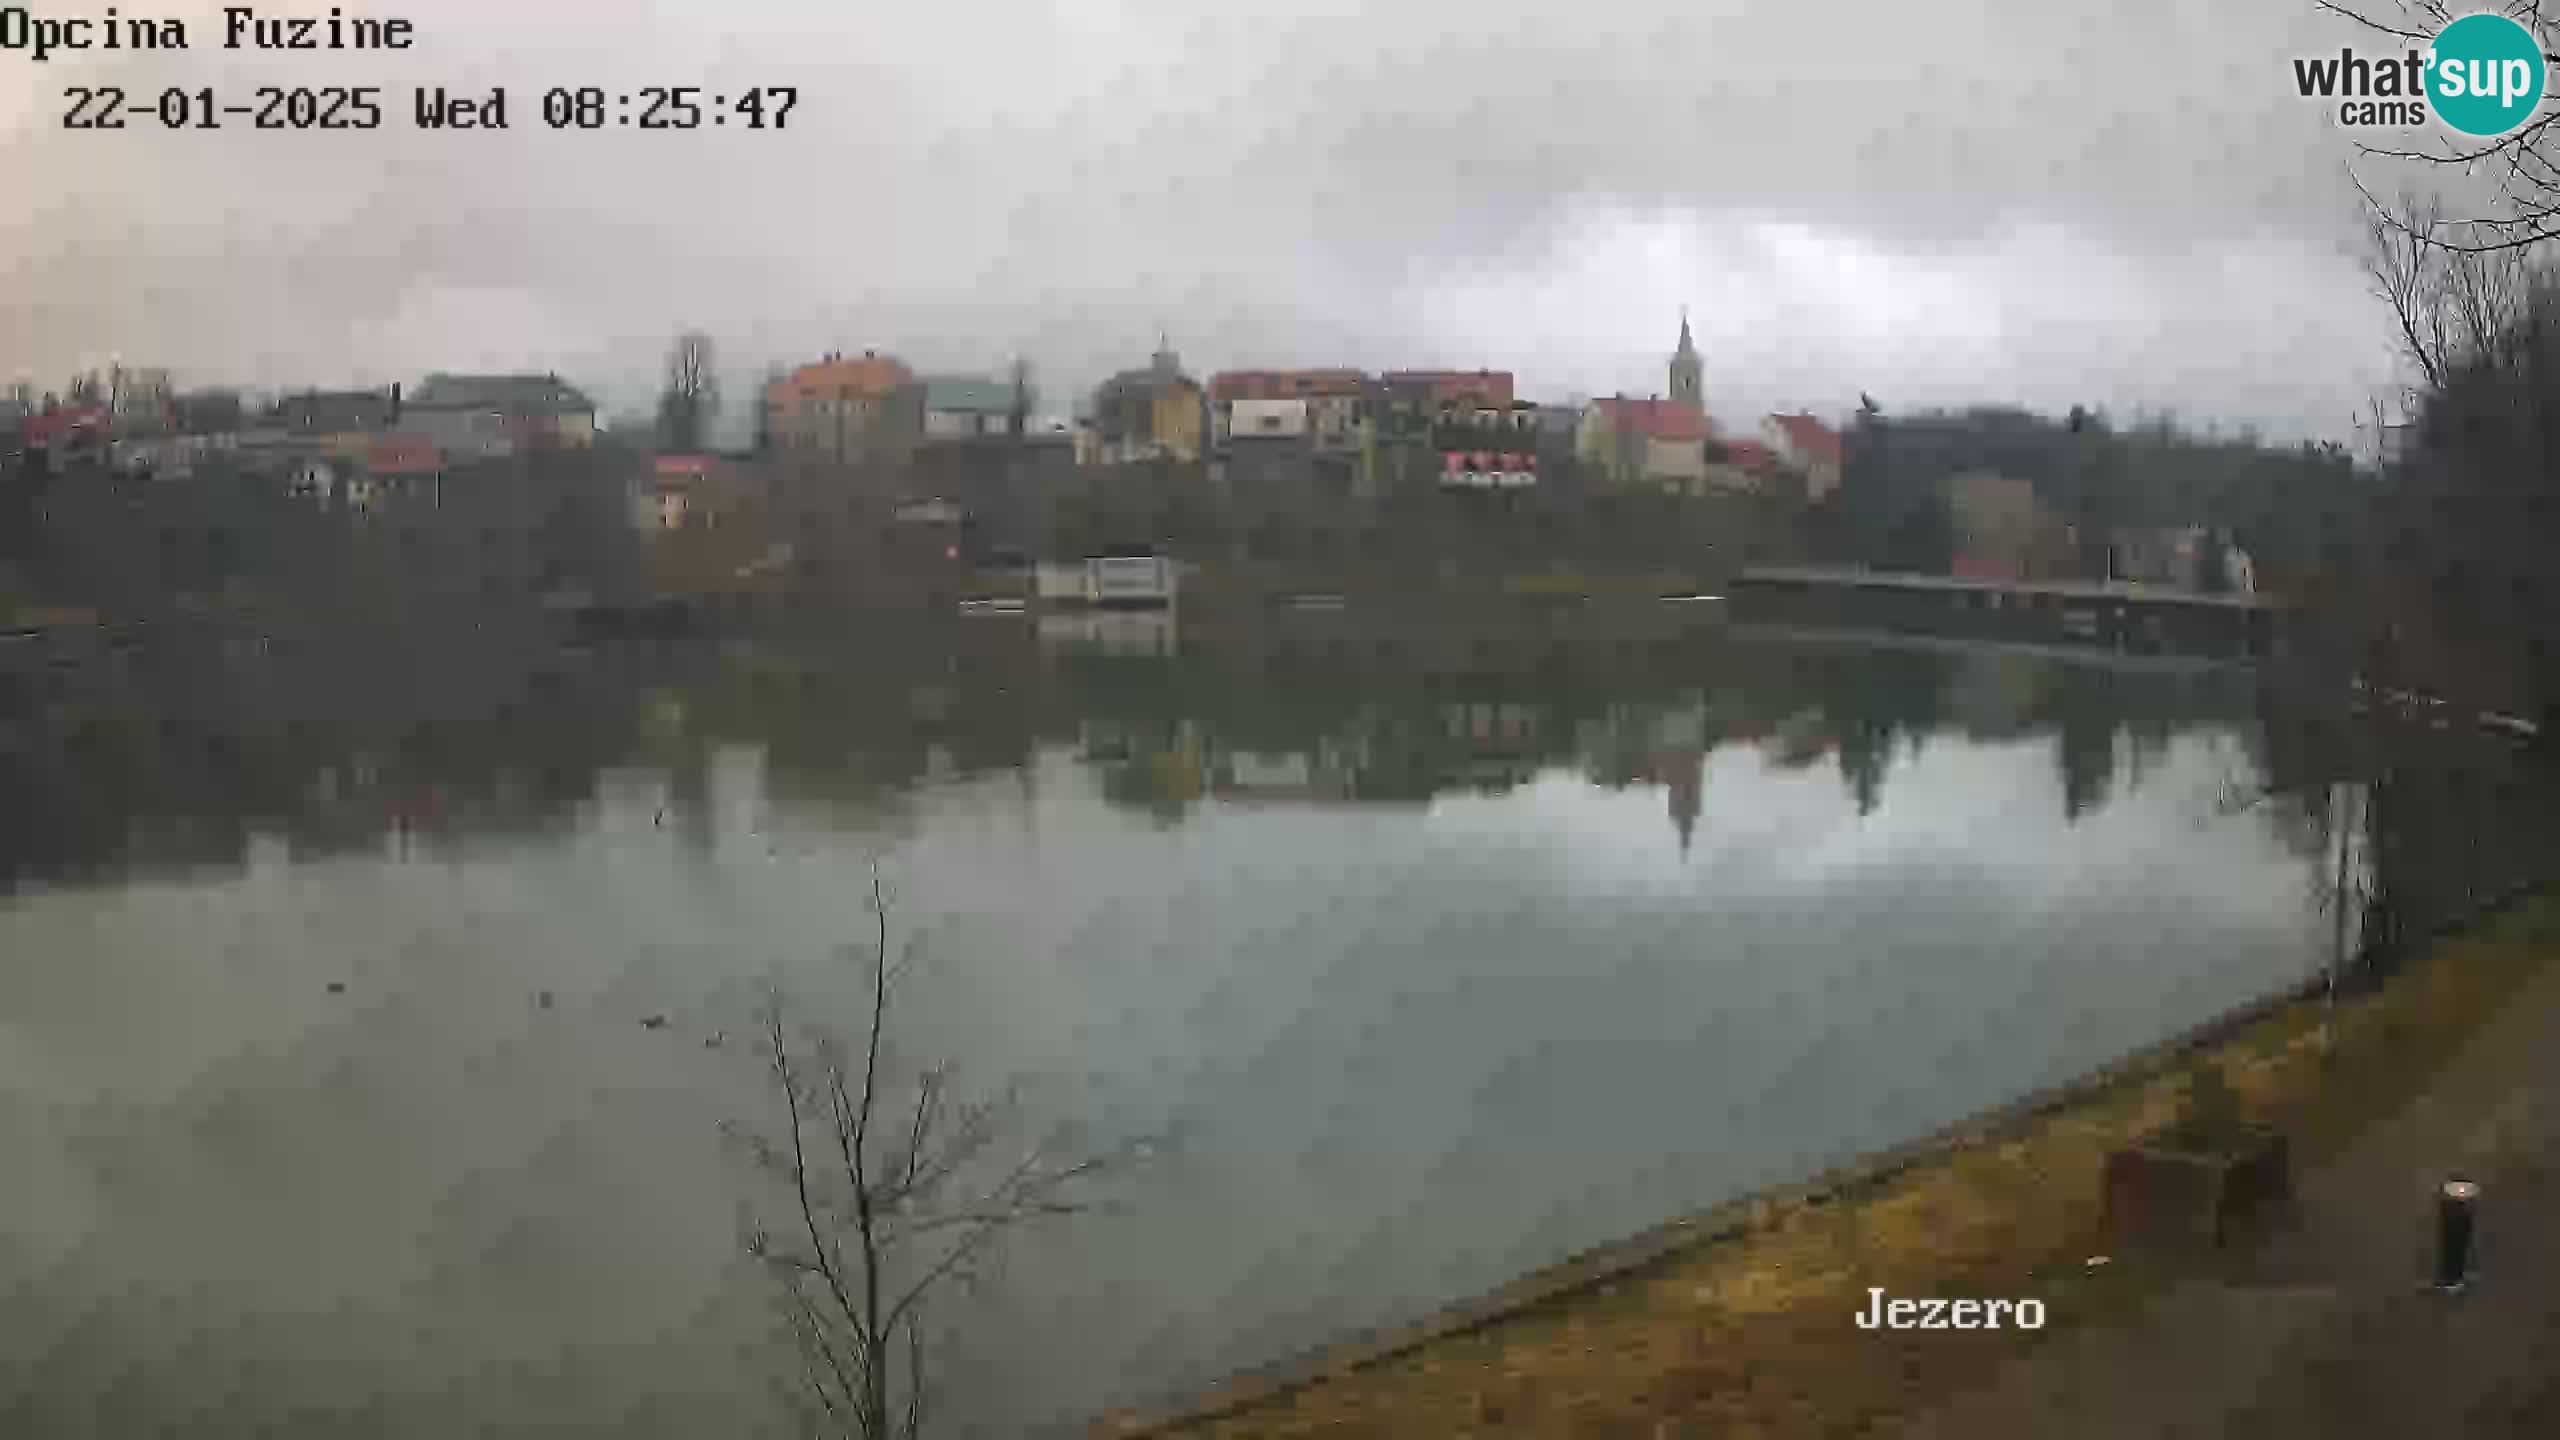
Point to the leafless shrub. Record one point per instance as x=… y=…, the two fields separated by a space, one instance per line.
x=894 y=1191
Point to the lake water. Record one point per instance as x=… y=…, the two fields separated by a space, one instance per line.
x=1422 y=976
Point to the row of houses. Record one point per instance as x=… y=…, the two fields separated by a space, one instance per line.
x=1470 y=426
x=979 y=445
x=339 y=448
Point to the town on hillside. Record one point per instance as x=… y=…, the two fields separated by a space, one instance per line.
x=1246 y=722
x=874 y=484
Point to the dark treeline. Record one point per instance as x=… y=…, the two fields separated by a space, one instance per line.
x=1418 y=536
x=243 y=654
x=2467 y=580
x=2290 y=509
x=2430 y=573
x=2457 y=581
x=2426 y=642
x=190 y=739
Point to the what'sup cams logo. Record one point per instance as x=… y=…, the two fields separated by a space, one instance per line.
x=2483 y=76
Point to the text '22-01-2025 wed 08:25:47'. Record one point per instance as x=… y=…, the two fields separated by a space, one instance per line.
x=326 y=108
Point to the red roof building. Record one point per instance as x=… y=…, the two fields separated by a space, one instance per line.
x=1470 y=389
x=69 y=425
x=1232 y=385
x=836 y=376
x=1654 y=419
x=1813 y=442
x=844 y=407
x=1808 y=447
x=1750 y=457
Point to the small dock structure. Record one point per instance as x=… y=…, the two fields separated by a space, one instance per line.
x=1113 y=580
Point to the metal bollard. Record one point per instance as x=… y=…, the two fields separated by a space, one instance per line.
x=2457 y=1223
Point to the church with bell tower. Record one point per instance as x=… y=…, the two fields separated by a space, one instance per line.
x=1688 y=378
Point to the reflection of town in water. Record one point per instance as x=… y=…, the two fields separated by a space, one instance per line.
x=1279 y=735
x=487 y=740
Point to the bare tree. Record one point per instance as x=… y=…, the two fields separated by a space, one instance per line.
x=2449 y=303
x=2446 y=622
x=896 y=1193
x=691 y=399
x=2521 y=169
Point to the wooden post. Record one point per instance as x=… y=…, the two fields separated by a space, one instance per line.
x=2457 y=1204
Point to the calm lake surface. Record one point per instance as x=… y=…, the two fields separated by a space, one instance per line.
x=1425 y=971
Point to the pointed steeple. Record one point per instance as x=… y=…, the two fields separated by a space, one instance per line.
x=1688 y=378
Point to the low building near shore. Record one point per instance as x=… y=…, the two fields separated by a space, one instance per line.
x=1107 y=582
x=2005 y=531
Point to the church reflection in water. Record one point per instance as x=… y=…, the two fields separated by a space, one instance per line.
x=166 y=770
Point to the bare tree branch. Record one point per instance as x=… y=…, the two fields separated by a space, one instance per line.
x=2450 y=302
x=690 y=398
x=928 y=1101
x=828 y=1265
x=899 y=1208
x=2368 y=22
x=821 y=1356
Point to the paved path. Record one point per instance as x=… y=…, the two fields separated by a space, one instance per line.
x=2324 y=1329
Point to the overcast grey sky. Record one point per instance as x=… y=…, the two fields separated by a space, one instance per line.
x=2044 y=201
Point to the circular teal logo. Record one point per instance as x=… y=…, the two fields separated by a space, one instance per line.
x=2484 y=75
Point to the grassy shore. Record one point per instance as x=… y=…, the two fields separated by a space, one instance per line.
x=1741 y=1325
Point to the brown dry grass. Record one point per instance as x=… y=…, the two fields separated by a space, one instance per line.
x=1754 y=1337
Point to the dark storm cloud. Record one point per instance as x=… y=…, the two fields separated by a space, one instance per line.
x=2043 y=201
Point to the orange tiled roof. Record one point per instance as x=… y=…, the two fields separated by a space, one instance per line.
x=1819 y=442
x=863 y=374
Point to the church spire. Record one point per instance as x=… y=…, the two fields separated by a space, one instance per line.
x=1688 y=380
